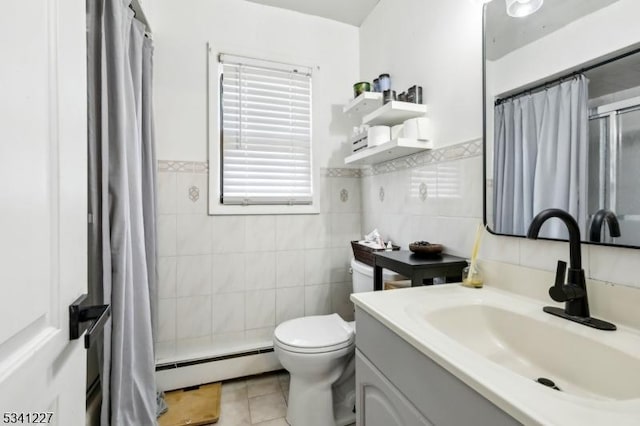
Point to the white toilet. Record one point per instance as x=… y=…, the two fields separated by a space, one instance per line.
x=318 y=351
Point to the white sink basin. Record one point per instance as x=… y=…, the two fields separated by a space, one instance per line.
x=499 y=344
x=576 y=362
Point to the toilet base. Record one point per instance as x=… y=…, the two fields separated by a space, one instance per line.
x=310 y=403
x=343 y=415
x=340 y=414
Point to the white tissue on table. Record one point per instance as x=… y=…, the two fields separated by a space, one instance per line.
x=373 y=240
x=372 y=236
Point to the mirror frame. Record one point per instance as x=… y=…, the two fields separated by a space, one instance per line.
x=596 y=63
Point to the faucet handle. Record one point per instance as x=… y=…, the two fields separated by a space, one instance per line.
x=557 y=292
x=561 y=292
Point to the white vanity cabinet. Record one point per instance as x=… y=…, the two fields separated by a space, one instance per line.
x=379 y=402
x=398 y=385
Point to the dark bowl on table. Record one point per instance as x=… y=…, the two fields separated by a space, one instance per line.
x=426 y=249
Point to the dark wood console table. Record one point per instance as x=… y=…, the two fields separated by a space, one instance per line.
x=417 y=268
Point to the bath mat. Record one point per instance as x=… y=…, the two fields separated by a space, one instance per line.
x=198 y=405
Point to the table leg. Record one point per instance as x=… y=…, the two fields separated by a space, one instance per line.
x=416 y=279
x=377 y=277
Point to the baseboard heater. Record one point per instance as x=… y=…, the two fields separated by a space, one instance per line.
x=172 y=365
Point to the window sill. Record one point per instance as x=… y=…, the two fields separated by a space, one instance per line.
x=217 y=209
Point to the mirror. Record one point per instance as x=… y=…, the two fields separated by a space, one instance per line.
x=562 y=118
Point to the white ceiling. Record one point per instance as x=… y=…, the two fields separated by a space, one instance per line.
x=505 y=34
x=348 y=11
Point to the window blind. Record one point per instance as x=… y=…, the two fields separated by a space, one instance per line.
x=266 y=132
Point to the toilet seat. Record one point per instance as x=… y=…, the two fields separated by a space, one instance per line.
x=314 y=334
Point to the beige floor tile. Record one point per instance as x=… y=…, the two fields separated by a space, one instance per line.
x=234 y=384
x=235 y=390
x=284 y=384
x=267 y=407
x=283 y=376
x=235 y=413
x=284 y=379
x=276 y=422
x=263 y=385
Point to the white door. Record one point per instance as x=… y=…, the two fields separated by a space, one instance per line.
x=42 y=209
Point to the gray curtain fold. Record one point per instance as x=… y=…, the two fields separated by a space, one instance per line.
x=149 y=179
x=123 y=202
x=540 y=158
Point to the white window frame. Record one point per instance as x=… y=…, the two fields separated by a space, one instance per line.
x=214 y=131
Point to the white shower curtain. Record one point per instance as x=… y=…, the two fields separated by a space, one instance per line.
x=122 y=205
x=540 y=158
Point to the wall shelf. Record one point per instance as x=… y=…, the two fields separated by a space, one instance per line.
x=363 y=104
x=394 y=112
x=388 y=151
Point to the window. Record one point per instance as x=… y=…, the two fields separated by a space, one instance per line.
x=265 y=144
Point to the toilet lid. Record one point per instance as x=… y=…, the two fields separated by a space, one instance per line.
x=321 y=333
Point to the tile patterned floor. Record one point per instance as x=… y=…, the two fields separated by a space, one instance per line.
x=259 y=400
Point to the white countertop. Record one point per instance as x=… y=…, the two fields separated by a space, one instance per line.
x=519 y=396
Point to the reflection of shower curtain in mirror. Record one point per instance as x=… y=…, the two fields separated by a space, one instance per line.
x=540 y=157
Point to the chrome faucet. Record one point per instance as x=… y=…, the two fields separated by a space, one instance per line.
x=574 y=291
x=595 y=230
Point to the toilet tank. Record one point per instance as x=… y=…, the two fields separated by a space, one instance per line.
x=362 y=276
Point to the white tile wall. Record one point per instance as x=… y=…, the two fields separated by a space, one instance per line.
x=166 y=235
x=167 y=272
x=193 y=317
x=228 y=273
x=340 y=303
x=317 y=266
x=228 y=313
x=451 y=211
x=260 y=270
x=260 y=233
x=317 y=299
x=193 y=234
x=340 y=264
x=448 y=214
x=167 y=320
x=290 y=231
x=167 y=186
x=544 y=255
x=260 y=309
x=289 y=303
x=345 y=227
x=187 y=202
x=614 y=265
x=317 y=231
x=290 y=268
x=227 y=281
x=349 y=187
x=194 y=276
x=228 y=234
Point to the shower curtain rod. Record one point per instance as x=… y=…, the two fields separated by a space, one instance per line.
x=566 y=77
x=540 y=87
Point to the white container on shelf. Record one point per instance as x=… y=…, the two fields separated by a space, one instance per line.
x=359 y=143
x=396 y=131
x=416 y=128
x=377 y=135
